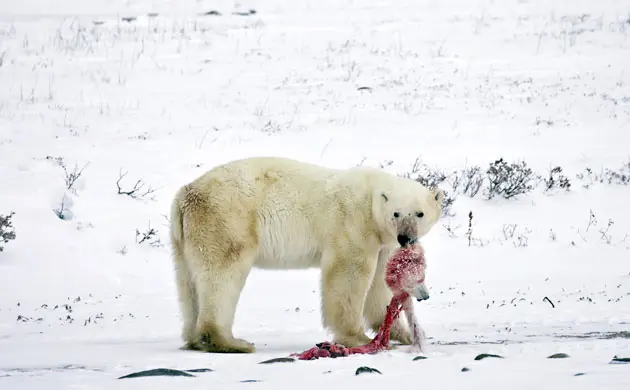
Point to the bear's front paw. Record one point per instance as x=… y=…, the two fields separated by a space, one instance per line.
x=352 y=341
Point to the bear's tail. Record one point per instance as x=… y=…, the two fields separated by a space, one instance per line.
x=177 y=225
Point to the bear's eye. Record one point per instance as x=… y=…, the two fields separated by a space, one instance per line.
x=420 y=214
x=396 y=214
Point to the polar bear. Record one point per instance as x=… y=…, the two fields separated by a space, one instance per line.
x=279 y=213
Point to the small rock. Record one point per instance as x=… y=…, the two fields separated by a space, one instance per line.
x=419 y=358
x=560 y=355
x=247 y=13
x=200 y=370
x=156 y=372
x=465 y=369
x=487 y=355
x=365 y=369
x=250 y=381
x=579 y=374
x=618 y=360
x=278 y=360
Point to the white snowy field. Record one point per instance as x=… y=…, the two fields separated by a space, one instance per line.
x=162 y=92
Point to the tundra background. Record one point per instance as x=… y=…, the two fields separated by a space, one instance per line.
x=106 y=108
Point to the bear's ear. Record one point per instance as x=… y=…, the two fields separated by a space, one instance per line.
x=384 y=196
x=438 y=195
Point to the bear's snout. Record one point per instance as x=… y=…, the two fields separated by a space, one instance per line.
x=404 y=240
x=407 y=231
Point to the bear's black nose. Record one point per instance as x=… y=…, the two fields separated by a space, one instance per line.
x=403 y=240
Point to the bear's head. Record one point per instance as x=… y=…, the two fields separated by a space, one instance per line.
x=409 y=212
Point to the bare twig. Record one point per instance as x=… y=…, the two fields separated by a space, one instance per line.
x=71 y=177
x=604 y=232
x=137 y=190
x=592 y=220
x=469 y=232
x=509 y=230
x=549 y=300
x=62 y=212
x=149 y=236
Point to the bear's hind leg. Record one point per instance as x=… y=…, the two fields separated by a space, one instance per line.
x=345 y=283
x=187 y=295
x=378 y=297
x=219 y=286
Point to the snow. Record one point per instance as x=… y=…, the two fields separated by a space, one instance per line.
x=167 y=96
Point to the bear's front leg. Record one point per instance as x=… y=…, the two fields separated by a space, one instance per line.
x=378 y=297
x=345 y=283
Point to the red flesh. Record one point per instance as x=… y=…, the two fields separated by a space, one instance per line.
x=379 y=343
x=405 y=269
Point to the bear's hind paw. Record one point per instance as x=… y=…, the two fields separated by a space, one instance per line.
x=225 y=345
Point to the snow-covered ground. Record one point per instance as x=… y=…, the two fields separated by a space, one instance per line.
x=171 y=93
